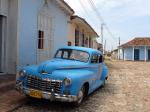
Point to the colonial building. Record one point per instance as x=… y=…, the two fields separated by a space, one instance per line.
x=81 y=33
x=31 y=31
x=136 y=49
x=114 y=54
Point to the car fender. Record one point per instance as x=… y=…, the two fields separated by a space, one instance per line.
x=78 y=77
x=104 y=72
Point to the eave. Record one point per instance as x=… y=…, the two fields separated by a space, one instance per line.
x=65 y=7
x=83 y=23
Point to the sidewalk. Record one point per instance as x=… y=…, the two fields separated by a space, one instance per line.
x=9 y=97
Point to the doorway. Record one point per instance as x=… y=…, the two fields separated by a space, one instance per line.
x=1 y=43
x=136 y=54
x=148 y=54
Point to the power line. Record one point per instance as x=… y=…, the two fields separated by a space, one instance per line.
x=110 y=33
x=96 y=11
x=98 y=14
x=100 y=18
x=84 y=8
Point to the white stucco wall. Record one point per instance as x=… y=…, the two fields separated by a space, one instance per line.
x=128 y=53
x=9 y=11
x=71 y=33
x=28 y=29
x=12 y=35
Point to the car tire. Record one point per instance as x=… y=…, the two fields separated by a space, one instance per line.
x=81 y=96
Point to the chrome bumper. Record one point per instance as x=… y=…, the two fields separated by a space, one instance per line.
x=47 y=95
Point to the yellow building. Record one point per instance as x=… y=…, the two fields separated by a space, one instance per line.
x=81 y=33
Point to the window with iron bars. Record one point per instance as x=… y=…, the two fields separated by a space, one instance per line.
x=41 y=40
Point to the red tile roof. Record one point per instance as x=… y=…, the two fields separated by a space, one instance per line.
x=138 y=42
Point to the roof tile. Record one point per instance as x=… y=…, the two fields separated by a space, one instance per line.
x=137 y=42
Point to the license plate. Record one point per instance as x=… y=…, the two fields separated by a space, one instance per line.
x=35 y=94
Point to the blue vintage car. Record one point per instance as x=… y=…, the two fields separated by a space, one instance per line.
x=72 y=74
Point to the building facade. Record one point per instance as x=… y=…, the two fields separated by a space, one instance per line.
x=81 y=33
x=137 y=49
x=31 y=31
x=114 y=54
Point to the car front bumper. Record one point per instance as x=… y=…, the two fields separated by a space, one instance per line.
x=46 y=95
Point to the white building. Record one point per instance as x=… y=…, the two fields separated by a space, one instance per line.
x=31 y=31
x=81 y=33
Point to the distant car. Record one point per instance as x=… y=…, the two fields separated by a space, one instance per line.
x=72 y=74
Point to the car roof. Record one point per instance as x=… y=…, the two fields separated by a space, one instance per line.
x=89 y=50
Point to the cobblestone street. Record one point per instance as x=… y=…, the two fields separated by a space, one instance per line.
x=127 y=90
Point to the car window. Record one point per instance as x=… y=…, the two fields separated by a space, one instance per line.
x=59 y=54
x=65 y=54
x=72 y=54
x=95 y=59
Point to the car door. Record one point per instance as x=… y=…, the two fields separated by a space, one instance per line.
x=97 y=70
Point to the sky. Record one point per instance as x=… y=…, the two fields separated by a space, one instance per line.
x=126 y=19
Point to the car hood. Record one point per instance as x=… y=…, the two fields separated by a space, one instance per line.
x=58 y=64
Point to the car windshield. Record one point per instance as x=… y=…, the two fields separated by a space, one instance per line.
x=72 y=54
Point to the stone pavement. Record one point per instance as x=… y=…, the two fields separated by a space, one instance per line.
x=9 y=97
x=127 y=90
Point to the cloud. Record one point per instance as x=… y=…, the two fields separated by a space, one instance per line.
x=126 y=9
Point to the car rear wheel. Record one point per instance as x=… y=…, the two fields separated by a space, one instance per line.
x=103 y=84
x=81 y=95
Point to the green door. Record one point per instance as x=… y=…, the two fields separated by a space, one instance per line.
x=149 y=54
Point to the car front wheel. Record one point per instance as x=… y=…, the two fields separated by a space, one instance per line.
x=81 y=95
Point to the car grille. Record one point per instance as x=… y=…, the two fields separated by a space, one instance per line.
x=46 y=85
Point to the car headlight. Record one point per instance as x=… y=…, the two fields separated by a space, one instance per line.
x=67 y=82
x=22 y=73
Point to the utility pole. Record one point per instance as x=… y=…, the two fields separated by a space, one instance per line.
x=119 y=49
x=112 y=48
x=105 y=47
x=102 y=29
